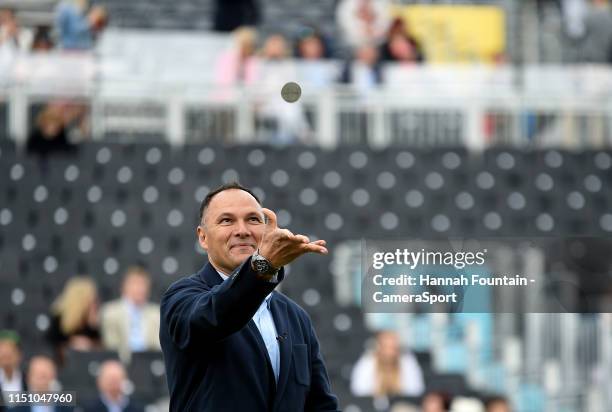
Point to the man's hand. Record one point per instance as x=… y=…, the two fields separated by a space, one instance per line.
x=281 y=247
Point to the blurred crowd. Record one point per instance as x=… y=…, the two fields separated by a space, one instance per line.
x=58 y=124
x=79 y=322
x=369 y=36
x=393 y=375
x=76 y=27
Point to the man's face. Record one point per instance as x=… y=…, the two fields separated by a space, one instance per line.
x=136 y=289
x=41 y=374
x=231 y=229
x=9 y=355
x=110 y=380
x=388 y=346
x=499 y=406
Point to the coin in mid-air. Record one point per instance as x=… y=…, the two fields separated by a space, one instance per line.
x=291 y=92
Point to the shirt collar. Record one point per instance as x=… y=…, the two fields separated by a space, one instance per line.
x=122 y=402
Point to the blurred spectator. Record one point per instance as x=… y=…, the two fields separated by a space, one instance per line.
x=275 y=48
x=49 y=135
x=76 y=29
x=13 y=39
x=399 y=45
x=363 y=21
x=42 y=41
x=281 y=122
x=466 y=404
x=11 y=376
x=364 y=73
x=435 y=402
x=498 y=404
x=112 y=380
x=236 y=66
x=231 y=14
x=311 y=48
x=386 y=371
x=9 y=29
x=42 y=377
x=597 y=44
x=131 y=324
x=311 y=44
x=74 y=318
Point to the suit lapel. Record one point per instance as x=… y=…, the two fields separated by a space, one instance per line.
x=280 y=315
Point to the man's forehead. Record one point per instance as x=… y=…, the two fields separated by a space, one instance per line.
x=233 y=201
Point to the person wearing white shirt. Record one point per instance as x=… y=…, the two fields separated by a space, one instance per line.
x=11 y=378
x=363 y=21
x=386 y=371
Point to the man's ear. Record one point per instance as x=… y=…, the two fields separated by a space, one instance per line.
x=202 y=237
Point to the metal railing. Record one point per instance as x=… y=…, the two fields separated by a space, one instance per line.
x=423 y=106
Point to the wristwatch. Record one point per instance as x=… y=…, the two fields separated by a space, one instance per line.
x=263 y=268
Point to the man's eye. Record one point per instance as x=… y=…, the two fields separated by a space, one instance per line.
x=225 y=220
x=255 y=219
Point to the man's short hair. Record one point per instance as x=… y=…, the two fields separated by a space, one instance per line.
x=136 y=270
x=222 y=188
x=7 y=335
x=495 y=400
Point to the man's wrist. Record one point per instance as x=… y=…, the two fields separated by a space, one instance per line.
x=263 y=268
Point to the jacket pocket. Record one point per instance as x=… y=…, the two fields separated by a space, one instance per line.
x=301 y=365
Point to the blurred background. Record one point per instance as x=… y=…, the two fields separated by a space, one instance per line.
x=418 y=119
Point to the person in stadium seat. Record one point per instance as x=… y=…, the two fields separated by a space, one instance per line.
x=596 y=47
x=364 y=72
x=400 y=45
x=363 y=21
x=436 y=402
x=11 y=376
x=498 y=404
x=9 y=29
x=49 y=135
x=280 y=123
x=386 y=371
x=111 y=382
x=77 y=30
x=236 y=66
x=74 y=318
x=42 y=41
x=230 y=341
x=310 y=44
x=42 y=377
x=131 y=323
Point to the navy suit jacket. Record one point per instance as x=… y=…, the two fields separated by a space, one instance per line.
x=216 y=359
x=99 y=406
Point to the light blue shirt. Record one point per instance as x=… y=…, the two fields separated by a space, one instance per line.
x=265 y=323
x=73 y=27
x=136 y=335
x=41 y=408
x=113 y=406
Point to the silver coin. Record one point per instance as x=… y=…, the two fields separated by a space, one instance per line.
x=291 y=92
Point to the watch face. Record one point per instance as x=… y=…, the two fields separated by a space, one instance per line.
x=261 y=265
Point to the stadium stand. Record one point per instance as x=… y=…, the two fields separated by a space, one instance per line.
x=111 y=205
x=520 y=148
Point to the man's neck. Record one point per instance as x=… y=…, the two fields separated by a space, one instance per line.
x=220 y=271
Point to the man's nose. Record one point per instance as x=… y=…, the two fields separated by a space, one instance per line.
x=242 y=230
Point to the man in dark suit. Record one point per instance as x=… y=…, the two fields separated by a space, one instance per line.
x=41 y=375
x=111 y=379
x=230 y=342
x=11 y=376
